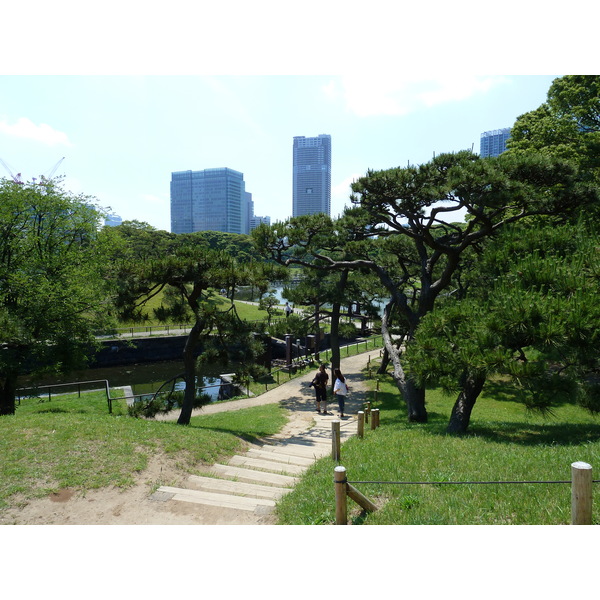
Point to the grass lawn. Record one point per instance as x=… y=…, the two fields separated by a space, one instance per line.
x=504 y=444
x=73 y=442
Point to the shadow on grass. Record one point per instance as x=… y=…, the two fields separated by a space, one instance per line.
x=527 y=434
x=513 y=432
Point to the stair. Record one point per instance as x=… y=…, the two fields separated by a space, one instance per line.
x=256 y=480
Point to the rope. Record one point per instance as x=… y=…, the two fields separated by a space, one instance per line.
x=459 y=482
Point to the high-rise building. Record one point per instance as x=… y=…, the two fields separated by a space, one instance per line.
x=113 y=221
x=493 y=142
x=255 y=221
x=209 y=200
x=312 y=175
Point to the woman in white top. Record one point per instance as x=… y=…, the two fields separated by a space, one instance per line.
x=340 y=390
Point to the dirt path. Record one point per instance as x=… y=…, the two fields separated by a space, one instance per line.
x=134 y=506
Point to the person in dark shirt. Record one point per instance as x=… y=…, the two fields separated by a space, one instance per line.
x=320 y=385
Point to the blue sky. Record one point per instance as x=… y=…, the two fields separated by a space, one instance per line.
x=122 y=136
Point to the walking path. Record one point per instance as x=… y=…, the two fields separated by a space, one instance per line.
x=255 y=480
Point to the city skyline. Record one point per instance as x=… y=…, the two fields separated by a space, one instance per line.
x=123 y=136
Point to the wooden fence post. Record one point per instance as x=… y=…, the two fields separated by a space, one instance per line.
x=581 y=494
x=367 y=412
x=375 y=418
x=335 y=440
x=359 y=498
x=341 y=503
x=361 y=424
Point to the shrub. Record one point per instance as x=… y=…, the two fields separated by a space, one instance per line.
x=149 y=407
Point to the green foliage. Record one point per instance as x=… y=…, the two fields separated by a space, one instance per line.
x=163 y=403
x=52 y=293
x=294 y=325
x=531 y=315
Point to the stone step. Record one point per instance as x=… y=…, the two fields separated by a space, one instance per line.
x=265 y=465
x=278 y=456
x=299 y=450
x=216 y=499
x=237 y=488
x=251 y=476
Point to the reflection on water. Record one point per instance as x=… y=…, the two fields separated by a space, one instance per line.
x=144 y=378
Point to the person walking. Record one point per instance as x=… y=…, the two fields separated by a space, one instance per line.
x=320 y=384
x=340 y=391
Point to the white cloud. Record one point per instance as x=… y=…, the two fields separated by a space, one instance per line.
x=25 y=128
x=383 y=95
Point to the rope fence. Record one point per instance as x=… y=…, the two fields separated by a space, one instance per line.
x=581 y=479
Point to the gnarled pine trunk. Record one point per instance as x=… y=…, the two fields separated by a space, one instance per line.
x=189 y=364
x=413 y=395
x=461 y=412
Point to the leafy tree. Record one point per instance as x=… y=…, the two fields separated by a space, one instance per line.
x=567 y=125
x=52 y=294
x=302 y=241
x=189 y=275
x=532 y=318
x=420 y=252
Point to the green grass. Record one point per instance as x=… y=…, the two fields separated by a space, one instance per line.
x=74 y=443
x=246 y=311
x=504 y=444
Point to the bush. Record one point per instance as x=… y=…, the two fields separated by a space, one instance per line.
x=149 y=407
x=348 y=331
x=293 y=325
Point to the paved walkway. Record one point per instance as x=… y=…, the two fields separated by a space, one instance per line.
x=255 y=480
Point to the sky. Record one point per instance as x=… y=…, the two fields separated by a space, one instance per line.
x=121 y=95
x=122 y=136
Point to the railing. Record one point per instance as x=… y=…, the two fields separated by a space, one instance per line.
x=297 y=363
x=106 y=388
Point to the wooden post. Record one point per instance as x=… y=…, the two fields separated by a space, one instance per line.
x=367 y=412
x=374 y=415
x=581 y=494
x=335 y=440
x=360 y=499
x=375 y=418
x=361 y=424
x=341 y=503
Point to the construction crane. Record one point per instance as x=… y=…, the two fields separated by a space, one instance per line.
x=16 y=178
x=44 y=179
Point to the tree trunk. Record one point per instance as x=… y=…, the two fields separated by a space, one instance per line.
x=413 y=395
x=385 y=361
x=461 y=412
x=8 y=390
x=334 y=336
x=189 y=364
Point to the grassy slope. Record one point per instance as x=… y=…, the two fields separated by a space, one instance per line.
x=504 y=444
x=76 y=444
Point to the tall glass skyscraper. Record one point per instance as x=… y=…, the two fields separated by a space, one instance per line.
x=312 y=175
x=209 y=200
x=493 y=143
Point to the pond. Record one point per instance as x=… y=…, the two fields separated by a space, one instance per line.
x=144 y=378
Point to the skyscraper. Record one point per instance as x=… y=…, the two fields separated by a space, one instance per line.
x=312 y=175
x=209 y=200
x=493 y=143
